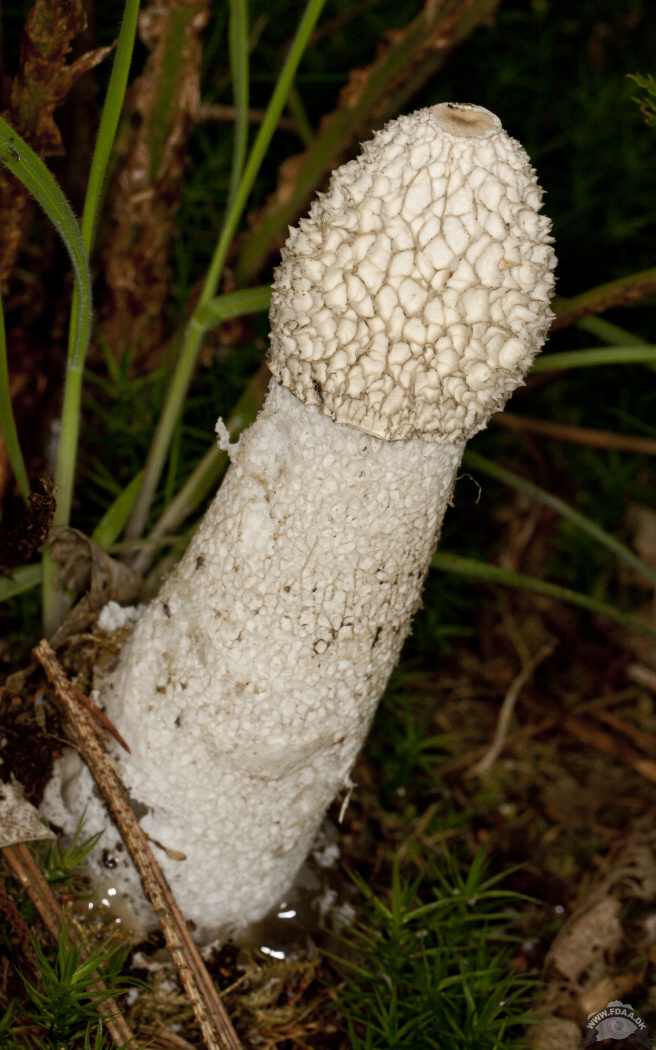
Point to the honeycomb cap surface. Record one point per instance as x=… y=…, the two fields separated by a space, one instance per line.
x=414 y=298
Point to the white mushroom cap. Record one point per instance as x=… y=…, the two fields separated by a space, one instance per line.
x=415 y=297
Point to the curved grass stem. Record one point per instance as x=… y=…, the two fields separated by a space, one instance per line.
x=474 y=461
x=195 y=329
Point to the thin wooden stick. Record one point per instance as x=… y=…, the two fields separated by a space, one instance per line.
x=623 y=292
x=611 y=745
x=22 y=863
x=228 y=114
x=576 y=435
x=209 y=1010
x=507 y=708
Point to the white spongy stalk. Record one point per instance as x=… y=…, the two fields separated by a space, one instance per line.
x=248 y=686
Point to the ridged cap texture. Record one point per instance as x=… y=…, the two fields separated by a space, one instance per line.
x=414 y=298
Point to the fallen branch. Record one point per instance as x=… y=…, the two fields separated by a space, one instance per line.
x=623 y=292
x=576 y=435
x=209 y=1011
x=22 y=863
x=647 y=741
x=642 y=675
x=611 y=745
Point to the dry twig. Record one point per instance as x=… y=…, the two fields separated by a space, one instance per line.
x=577 y=435
x=209 y=1011
x=624 y=292
x=228 y=114
x=611 y=745
x=508 y=706
x=642 y=675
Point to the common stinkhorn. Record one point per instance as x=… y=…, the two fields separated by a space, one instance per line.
x=407 y=308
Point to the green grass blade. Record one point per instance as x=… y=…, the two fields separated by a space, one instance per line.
x=602 y=329
x=234 y=304
x=208 y=471
x=473 y=461
x=22 y=579
x=491 y=574
x=297 y=111
x=238 y=44
x=261 y=144
x=53 y=603
x=112 y=523
x=7 y=421
x=220 y=308
x=23 y=162
x=597 y=355
x=109 y=120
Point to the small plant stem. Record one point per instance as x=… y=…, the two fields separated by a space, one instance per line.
x=210 y=1013
x=602 y=329
x=28 y=873
x=195 y=330
x=238 y=42
x=507 y=708
x=7 y=421
x=493 y=575
x=473 y=461
x=596 y=355
x=33 y=172
x=577 y=435
x=372 y=94
x=207 y=473
x=624 y=292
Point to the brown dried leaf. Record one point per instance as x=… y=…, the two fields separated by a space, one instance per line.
x=19 y=820
x=44 y=78
x=84 y=565
x=145 y=193
x=579 y=948
x=555 y=1033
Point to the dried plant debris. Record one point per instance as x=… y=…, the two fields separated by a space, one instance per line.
x=19 y=820
x=605 y=950
x=145 y=192
x=23 y=538
x=84 y=565
x=43 y=81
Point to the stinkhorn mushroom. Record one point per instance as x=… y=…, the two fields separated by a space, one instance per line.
x=407 y=308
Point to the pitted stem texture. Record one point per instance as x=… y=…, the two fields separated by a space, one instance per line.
x=248 y=686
